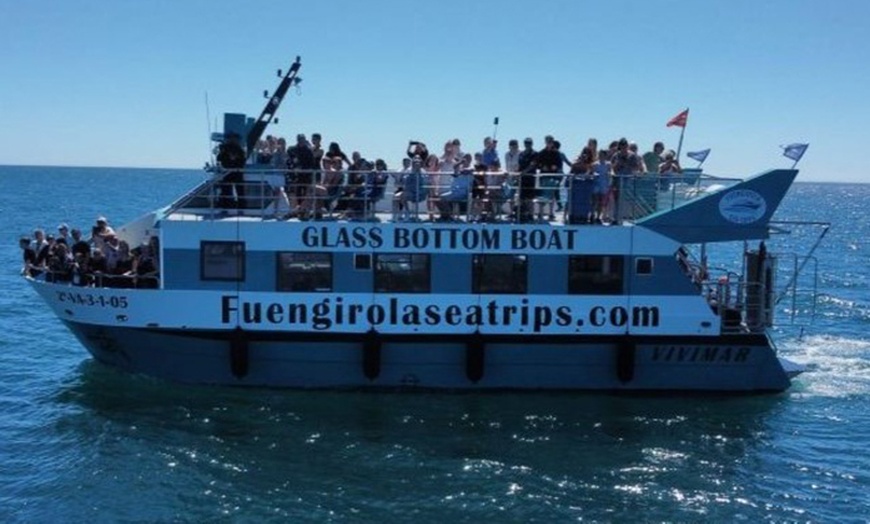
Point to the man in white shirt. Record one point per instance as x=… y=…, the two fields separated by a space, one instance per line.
x=512 y=157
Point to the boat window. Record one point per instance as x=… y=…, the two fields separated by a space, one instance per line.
x=500 y=274
x=362 y=262
x=643 y=266
x=595 y=275
x=222 y=260
x=406 y=273
x=304 y=272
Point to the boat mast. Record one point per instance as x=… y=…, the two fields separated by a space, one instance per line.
x=290 y=79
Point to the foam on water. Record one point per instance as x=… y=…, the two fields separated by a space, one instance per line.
x=837 y=366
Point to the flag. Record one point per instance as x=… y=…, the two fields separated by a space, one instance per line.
x=700 y=156
x=679 y=120
x=794 y=151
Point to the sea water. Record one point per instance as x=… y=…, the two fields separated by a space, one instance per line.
x=83 y=443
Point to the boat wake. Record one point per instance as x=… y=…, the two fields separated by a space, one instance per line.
x=836 y=366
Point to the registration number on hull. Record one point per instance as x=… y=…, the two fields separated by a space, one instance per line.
x=92 y=300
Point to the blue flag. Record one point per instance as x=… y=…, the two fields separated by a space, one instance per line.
x=794 y=151
x=700 y=156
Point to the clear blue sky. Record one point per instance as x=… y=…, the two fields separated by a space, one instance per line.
x=123 y=82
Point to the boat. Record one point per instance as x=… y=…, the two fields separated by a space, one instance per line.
x=384 y=298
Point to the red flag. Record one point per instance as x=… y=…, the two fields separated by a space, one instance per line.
x=679 y=120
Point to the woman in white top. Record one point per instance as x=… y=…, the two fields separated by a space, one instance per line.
x=277 y=176
x=432 y=168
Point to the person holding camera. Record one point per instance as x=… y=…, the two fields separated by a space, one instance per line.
x=489 y=155
x=417 y=149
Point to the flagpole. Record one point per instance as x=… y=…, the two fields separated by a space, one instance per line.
x=680 y=145
x=682 y=132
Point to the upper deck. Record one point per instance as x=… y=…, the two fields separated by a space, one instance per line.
x=556 y=199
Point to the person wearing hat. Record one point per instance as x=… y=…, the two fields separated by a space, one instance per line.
x=63 y=233
x=100 y=232
x=231 y=157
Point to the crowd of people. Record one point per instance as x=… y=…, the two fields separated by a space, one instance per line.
x=103 y=260
x=525 y=186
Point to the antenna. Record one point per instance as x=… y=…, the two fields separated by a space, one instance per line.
x=268 y=114
x=208 y=120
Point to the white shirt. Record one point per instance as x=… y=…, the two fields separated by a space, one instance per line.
x=512 y=161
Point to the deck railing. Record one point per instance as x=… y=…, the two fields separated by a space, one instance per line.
x=97 y=279
x=490 y=196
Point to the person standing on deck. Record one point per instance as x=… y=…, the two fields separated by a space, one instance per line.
x=231 y=157
x=652 y=159
x=317 y=152
x=512 y=157
x=527 y=164
x=549 y=161
x=626 y=166
x=489 y=155
x=28 y=255
x=300 y=161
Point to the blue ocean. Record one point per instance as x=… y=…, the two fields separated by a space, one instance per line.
x=83 y=443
